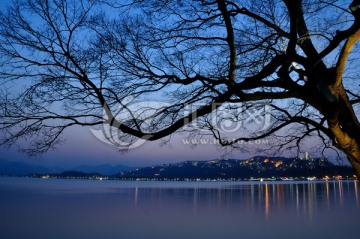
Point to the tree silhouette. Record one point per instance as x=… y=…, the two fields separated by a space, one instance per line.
x=87 y=62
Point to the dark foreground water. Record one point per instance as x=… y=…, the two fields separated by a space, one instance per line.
x=83 y=209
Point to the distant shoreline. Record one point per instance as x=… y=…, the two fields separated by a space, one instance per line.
x=302 y=179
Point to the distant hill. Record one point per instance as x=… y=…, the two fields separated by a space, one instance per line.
x=103 y=169
x=77 y=174
x=259 y=166
x=256 y=167
x=23 y=169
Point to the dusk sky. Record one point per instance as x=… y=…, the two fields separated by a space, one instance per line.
x=82 y=147
x=179 y=119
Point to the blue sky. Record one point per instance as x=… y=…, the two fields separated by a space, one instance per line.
x=82 y=147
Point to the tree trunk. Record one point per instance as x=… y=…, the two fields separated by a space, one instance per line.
x=350 y=146
x=355 y=162
x=345 y=128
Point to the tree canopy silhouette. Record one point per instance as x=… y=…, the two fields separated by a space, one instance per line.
x=85 y=62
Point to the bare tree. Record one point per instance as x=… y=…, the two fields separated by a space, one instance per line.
x=87 y=62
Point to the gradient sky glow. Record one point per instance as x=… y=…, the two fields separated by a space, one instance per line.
x=82 y=147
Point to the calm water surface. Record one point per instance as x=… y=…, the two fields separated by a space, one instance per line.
x=84 y=209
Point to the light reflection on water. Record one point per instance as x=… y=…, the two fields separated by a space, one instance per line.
x=36 y=208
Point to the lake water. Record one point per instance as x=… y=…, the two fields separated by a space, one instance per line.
x=84 y=209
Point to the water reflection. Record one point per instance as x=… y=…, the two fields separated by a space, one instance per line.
x=73 y=209
x=356 y=195
x=266 y=198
